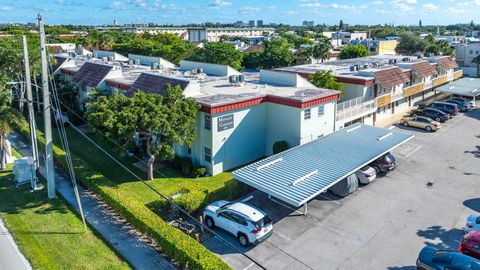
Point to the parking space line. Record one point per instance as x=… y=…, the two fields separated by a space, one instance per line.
x=392 y=127
x=295 y=210
x=250 y=265
x=337 y=202
x=413 y=151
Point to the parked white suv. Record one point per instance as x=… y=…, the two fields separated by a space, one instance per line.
x=249 y=224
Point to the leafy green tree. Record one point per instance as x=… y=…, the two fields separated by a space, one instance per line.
x=433 y=48
x=322 y=49
x=445 y=48
x=353 y=51
x=252 y=60
x=160 y=121
x=277 y=53
x=219 y=53
x=325 y=79
x=410 y=44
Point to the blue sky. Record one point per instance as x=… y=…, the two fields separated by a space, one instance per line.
x=277 y=11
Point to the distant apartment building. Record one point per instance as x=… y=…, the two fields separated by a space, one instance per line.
x=378 y=46
x=197 y=34
x=464 y=54
x=308 y=23
x=452 y=40
x=259 y=23
x=251 y=23
x=380 y=88
x=182 y=32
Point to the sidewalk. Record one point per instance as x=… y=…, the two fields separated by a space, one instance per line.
x=10 y=255
x=128 y=245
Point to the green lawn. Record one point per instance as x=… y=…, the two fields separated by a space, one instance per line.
x=49 y=233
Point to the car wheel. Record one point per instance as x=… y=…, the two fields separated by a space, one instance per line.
x=405 y=124
x=210 y=222
x=242 y=240
x=414 y=115
x=377 y=170
x=428 y=128
x=438 y=119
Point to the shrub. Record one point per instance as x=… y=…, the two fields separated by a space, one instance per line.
x=279 y=146
x=174 y=243
x=192 y=201
x=199 y=171
x=186 y=165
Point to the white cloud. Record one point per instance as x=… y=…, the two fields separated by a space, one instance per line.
x=380 y=11
x=477 y=2
x=431 y=6
x=219 y=3
x=138 y=3
x=403 y=5
x=6 y=8
x=411 y=1
x=115 y=5
x=246 y=10
x=455 y=11
x=376 y=3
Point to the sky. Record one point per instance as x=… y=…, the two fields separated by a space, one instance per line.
x=98 y=12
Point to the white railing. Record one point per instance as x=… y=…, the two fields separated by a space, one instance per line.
x=427 y=85
x=397 y=95
x=351 y=109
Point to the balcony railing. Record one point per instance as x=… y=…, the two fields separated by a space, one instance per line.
x=384 y=100
x=439 y=81
x=397 y=95
x=458 y=74
x=414 y=89
x=355 y=108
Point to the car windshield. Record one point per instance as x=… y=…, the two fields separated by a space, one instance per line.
x=262 y=222
x=389 y=157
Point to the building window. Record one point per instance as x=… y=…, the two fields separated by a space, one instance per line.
x=471 y=51
x=321 y=111
x=208 y=122
x=208 y=154
x=307 y=114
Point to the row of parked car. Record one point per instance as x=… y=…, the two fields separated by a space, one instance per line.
x=251 y=225
x=430 y=118
x=466 y=258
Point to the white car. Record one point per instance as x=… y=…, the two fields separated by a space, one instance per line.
x=366 y=175
x=473 y=223
x=249 y=224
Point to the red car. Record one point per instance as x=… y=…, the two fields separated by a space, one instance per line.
x=470 y=244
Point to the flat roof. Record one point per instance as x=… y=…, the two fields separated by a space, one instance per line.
x=301 y=173
x=469 y=87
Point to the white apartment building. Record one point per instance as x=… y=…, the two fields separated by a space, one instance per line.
x=464 y=54
x=197 y=34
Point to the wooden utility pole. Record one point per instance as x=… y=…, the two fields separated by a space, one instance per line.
x=28 y=83
x=46 y=113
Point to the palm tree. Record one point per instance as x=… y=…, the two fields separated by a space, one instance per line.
x=4 y=130
x=476 y=60
x=322 y=49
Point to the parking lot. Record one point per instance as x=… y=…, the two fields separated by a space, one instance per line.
x=383 y=225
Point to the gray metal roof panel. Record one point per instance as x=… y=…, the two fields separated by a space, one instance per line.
x=465 y=87
x=334 y=156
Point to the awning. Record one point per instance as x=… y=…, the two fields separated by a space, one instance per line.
x=299 y=174
x=469 y=87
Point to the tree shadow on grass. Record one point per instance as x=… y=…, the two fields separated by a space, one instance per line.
x=448 y=238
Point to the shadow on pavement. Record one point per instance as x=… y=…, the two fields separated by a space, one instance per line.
x=473 y=204
x=411 y=267
x=448 y=238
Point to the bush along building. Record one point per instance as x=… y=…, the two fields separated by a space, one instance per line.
x=380 y=89
x=242 y=115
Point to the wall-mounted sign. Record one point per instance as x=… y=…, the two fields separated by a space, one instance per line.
x=225 y=122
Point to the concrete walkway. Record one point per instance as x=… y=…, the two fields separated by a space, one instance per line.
x=130 y=246
x=10 y=255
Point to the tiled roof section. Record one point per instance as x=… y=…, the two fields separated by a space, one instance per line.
x=91 y=74
x=447 y=62
x=154 y=84
x=390 y=77
x=255 y=48
x=58 y=62
x=424 y=69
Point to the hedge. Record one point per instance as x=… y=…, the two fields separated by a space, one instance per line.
x=175 y=244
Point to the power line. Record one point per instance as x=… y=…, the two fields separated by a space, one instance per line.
x=151 y=187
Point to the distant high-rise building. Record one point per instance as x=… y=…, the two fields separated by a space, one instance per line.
x=239 y=23
x=115 y=22
x=259 y=23
x=308 y=23
x=251 y=23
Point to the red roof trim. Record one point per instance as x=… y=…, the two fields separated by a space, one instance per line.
x=272 y=99
x=354 y=81
x=118 y=85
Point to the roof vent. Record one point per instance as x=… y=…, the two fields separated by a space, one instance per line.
x=305 y=177
x=406 y=59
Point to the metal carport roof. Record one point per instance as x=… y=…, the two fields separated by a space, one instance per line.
x=299 y=174
x=465 y=87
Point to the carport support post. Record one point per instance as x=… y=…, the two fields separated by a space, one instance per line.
x=305 y=209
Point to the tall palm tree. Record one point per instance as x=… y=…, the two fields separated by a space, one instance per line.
x=322 y=49
x=4 y=130
x=476 y=60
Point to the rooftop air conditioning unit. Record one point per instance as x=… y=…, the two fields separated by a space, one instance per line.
x=154 y=65
x=104 y=59
x=390 y=61
x=365 y=66
x=233 y=79
x=130 y=62
x=194 y=71
x=199 y=70
x=419 y=56
x=429 y=54
x=136 y=62
x=241 y=79
x=110 y=59
x=406 y=59
x=353 y=68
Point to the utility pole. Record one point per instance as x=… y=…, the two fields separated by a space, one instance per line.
x=28 y=82
x=46 y=112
